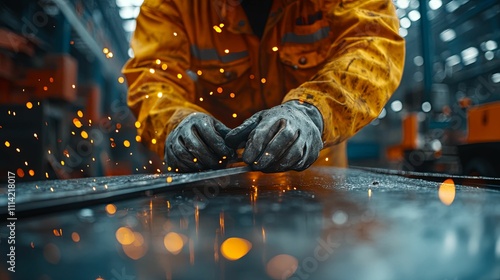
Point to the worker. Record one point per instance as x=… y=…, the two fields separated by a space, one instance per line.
x=287 y=80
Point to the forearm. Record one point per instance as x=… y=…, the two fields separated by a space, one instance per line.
x=160 y=92
x=363 y=71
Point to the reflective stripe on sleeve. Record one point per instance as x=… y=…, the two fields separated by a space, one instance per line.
x=308 y=38
x=211 y=54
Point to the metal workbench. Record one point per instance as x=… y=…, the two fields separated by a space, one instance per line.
x=323 y=223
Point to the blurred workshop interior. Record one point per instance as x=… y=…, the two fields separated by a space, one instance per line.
x=63 y=111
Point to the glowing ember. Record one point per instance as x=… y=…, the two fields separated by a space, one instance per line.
x=77 y=123
x=275 y=49
x=111 y=209
x=29 y=105
x=217 y=29
x=57 y=232
x=7 y=144
x=126 y=143
x=80 y=114
x=84 y=135
x=169 y=179
x=121 y=80
x=75 y=237
x=20 y=172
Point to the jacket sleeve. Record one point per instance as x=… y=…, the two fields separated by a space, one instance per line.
x=364 y=68
x=161 y=93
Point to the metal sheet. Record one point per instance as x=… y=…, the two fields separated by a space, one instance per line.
x=322 y=223
x=44 y=196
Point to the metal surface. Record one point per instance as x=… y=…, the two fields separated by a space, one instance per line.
x=322 y=223
x=40 y=197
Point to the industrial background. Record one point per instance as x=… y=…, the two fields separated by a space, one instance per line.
x=63 y=110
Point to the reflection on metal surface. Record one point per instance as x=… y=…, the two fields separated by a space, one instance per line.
x=221 y=222
x=125 y=236
x=339 y=217
x=191 y=251
x=447 y=192
x=137 y=249
x=316 y=224
x=51 y=253
x=174 y=242
x=282 y=266
x=216 y=246
x=235 y=248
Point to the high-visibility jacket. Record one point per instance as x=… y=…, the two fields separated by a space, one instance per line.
x=343 y=56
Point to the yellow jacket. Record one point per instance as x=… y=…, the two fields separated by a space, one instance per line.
x=343 y=56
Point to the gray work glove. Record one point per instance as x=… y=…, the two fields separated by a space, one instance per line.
x=196 y=144
x=285 y=137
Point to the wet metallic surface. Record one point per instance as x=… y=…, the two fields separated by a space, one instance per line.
x=317 y=224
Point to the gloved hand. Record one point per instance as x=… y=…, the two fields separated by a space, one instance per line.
x=285 y=137
x=197 y=143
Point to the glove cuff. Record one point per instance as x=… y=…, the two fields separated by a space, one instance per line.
x=310 y=110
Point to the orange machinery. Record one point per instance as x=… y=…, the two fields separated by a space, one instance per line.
x=481 y=154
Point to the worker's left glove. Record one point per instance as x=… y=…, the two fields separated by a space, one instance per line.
x=285 y=137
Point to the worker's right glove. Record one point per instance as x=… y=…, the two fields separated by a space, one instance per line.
x=285 y=137
x=196 y=144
